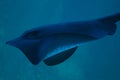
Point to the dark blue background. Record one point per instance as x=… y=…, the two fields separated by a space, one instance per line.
x=97 y=60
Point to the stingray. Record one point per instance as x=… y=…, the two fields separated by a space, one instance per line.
x=55 y=43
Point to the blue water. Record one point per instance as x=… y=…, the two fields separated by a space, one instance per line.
x=97 y=60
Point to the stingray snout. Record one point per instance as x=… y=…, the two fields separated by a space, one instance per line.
x=13 y=42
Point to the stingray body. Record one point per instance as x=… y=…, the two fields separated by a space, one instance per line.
x=54 y=43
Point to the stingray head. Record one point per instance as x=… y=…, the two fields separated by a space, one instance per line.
x=29 y=43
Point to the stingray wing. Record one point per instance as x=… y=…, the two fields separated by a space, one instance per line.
x=31 y=48
x=60 y=57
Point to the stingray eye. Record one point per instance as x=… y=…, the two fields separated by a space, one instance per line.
x=32 y=35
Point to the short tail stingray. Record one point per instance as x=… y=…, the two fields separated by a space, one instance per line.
x=56 y=43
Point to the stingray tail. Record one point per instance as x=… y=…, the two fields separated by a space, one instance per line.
x=111 y=19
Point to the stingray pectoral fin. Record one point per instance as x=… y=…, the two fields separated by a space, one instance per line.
x=60 y=57
x=29 y=48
